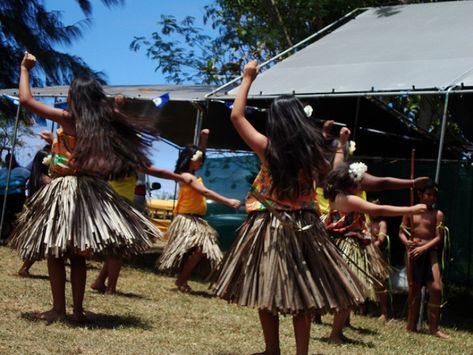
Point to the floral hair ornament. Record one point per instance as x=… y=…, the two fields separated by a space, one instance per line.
x=197 y=155
x=47 y=160
x=351 y=147
x=356 y=171
x=308 y=110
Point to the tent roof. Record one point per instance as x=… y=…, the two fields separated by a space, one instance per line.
x=176 y=92
x=389 y=49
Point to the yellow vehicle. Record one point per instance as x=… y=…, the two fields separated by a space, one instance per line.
x=160 y=212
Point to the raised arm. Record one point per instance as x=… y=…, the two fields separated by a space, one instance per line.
x=60 y=116
x=255 y=140
x=204 y=139
x=349 y=203
x=191 y=180
x=340 y=152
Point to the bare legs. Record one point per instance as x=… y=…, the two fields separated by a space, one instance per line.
x=57 y=280
x=187 y=269
x=339 y=320
x=111 y=270
x=435 y=295
x=382 y=295
x=270 y=325
x=301 y=324
x=78 y=279
x=25 y=268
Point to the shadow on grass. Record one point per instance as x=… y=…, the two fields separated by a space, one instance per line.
x=97 y=321
x=363 y=331
x=33 y=277
x=350 y=341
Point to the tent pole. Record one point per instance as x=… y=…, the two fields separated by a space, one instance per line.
x=357 y=116
x=15 y=129
x=198 y=124
x=442 y=134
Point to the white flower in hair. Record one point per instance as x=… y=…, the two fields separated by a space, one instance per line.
x=351 y=147
x=47 y=160
x=356 y=171
x=197 y=155
x=308 y=110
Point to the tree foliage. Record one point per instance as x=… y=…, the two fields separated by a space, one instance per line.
x=244 y=29
x=26 y=25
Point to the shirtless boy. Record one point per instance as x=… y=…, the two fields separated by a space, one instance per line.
x=422 y=235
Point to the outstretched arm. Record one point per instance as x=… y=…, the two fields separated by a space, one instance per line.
x=376 y=183
x=255 y=140
x=191 y=180
x=162 y=173
x=60 y=116
x=349 y=203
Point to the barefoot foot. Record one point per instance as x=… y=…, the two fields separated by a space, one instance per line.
x=110 y=291
x=440 y=334
x=78 y=317
x=338 y=339
x=183 y=287
x=50 y=316
x=97 y=286
x=383 y=318
x=24 y=273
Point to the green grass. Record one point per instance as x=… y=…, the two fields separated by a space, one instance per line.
x=149 y=317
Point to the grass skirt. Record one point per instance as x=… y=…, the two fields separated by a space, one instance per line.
x=276 y=268
x=186 y=233
x=80 y=215
x=366 y=261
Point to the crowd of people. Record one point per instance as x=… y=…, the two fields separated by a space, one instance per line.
x=311 y=243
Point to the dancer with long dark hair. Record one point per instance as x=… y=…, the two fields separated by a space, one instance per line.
x=282 y=261
x=78 y=214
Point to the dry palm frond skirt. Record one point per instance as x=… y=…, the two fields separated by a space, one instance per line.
x=276 y=268
x=366 y=261
x=185 y=234
x=80 y=215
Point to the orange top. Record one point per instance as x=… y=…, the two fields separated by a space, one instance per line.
x=61 y=153
x=340 y=222
x=262 y=186
x=190 y=201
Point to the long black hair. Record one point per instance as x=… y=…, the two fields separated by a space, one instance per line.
x=184 y=159
x=38 y=170
x=109 y=142
x=339 y=181
x=295 y=147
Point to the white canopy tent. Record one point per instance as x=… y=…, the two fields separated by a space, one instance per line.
x=407 y=49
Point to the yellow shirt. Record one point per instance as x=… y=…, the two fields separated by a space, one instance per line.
x=324 y=203
x=125 y=187
x=190 y=201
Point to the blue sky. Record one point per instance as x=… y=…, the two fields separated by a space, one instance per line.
x=105 y=47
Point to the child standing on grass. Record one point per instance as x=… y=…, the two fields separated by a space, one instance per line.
x=423 y=236
x=107 y=278
x=78 y=214
x=282 y=260
x=190 y=237
x=346 y=223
